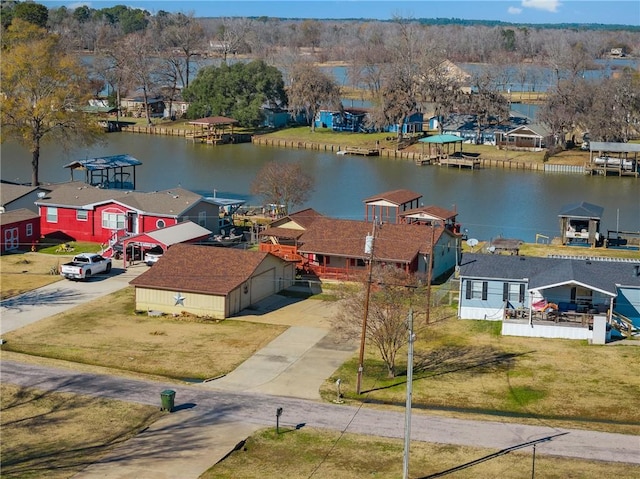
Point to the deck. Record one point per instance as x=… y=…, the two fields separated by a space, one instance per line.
x=463 y=161
x=604 y=170
x=352 y=150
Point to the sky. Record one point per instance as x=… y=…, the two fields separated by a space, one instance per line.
x=613 y=12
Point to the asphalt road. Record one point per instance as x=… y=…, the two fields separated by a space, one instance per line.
x=202 y=407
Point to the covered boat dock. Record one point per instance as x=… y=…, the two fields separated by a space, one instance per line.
x=442 y=153
x=108 y=171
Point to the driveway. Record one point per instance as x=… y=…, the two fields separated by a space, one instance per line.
x=60 y=296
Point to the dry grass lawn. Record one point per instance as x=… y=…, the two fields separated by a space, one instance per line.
x=21 y=272
x=305 y=453
x=108 y=333
x=466 y=368
x=56 y=435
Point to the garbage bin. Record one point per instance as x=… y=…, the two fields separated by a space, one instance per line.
x=167 y=397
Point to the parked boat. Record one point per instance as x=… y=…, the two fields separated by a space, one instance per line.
x=223 y=239
x=612 y=162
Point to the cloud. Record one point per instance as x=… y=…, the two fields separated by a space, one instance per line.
x=514 y=10
x=548 y=5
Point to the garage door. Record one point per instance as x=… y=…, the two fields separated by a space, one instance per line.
x=263 y=285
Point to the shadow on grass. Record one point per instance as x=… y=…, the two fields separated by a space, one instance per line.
x=454 y=360
x=36 y=297
x=50 y=413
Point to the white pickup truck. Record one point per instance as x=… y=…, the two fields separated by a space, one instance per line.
x=85 y=265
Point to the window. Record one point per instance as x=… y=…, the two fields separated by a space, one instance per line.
x=160 y=224
x=113 y=221
x=29 y=229
x=202 y=218
x=82 y=215
x=477 y=290
x=52 y=214
x=513 y=292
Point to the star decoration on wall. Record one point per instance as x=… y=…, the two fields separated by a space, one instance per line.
x=179 y=299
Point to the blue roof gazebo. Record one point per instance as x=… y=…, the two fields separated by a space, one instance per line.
x=107 y=171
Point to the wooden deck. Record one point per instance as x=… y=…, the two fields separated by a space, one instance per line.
x=352 y=150
x=610 y=171
x=460 y=161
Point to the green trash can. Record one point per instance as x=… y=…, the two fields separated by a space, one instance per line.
x=167 y=398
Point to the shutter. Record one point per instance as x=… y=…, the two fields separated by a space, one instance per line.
x=505 y=291
x=468 y=289
x=484 y=290
x=522 y=293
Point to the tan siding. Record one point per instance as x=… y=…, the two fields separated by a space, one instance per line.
x=165 y=301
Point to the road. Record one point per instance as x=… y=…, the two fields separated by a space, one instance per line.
x=202 y=407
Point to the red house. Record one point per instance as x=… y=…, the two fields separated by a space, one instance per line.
x=20 y=230
x=78 y=211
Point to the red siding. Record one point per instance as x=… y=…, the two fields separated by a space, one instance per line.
x=14 y=235
x=91 y=229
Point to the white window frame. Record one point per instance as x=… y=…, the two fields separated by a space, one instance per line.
x=52 y=214
x=514 y=292
x=202 y=218
x=160 y=223
x=114 y=220
x=28 y=230
x=476 y=289
x=79 y=215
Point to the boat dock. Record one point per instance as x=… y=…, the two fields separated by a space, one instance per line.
x=461 y=161
x=353 y=150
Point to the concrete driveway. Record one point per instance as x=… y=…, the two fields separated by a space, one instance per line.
x=62 y=295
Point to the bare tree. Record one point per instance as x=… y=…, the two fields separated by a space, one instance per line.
x=284 y=185
x=485 y=101
x=392 y=293
x=182 y=39
x=140 y=65
x=310 y=89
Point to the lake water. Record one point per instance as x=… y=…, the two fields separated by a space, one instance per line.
x=490 y=202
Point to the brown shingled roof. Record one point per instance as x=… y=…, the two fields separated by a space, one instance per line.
x=201 y=269
x=431 y=210
x=397 y=197
x=394 y=242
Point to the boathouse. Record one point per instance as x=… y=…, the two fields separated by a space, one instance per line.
x=116 y=171
x=212 y=130
x=611 y=158
x=580 y=224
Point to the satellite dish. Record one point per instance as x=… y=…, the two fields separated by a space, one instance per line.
x=42 y=194
x=472 y=242
x=491 y=249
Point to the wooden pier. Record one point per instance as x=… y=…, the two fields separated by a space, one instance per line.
x=353 y=150
x=461 y=161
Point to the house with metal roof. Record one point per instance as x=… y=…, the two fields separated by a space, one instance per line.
x=79 y=211
x=550 y=297
x=210 y=282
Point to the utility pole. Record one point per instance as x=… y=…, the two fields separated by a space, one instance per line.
x=369 y=245
x=407 y=409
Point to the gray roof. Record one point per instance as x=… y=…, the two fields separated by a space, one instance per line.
x=612 y=147
x=80 y=195
x=15 y=216
x=11 y=192
x=545 y=272
x=582 y=210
